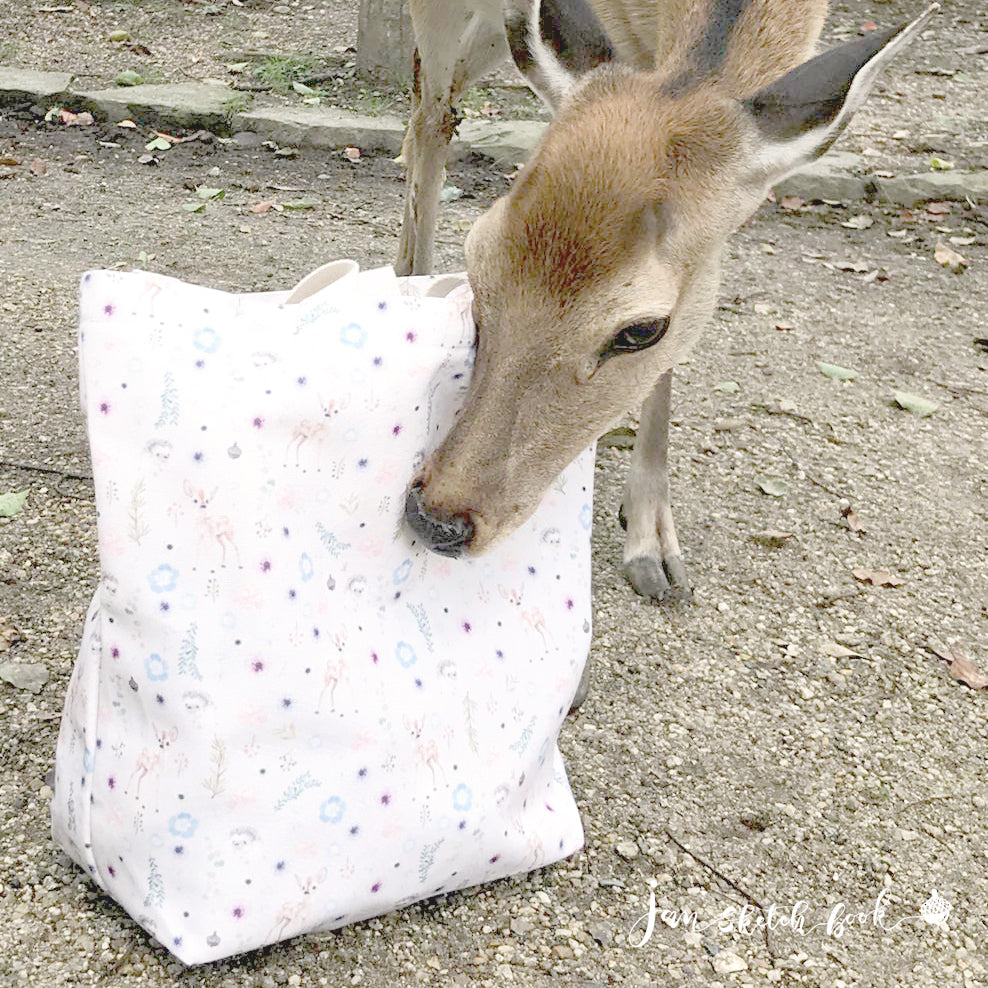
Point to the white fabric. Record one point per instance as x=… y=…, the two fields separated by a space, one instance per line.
x=285 y=715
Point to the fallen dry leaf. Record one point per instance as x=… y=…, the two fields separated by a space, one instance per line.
x=784 y=327
x=877 y=577
x=948 y=257
x=965 y=671
x=879 y=274
x=772 y=538
x=37 y=167
x=836 y=651
x=10 y=162
x=171 y=138
x=8 y=635
x=939 y=208
x=70 y=119
x=352 y=153
x=860 y=222
x=261 y=207
x=867 y=27
x=850 y=516
x=857 y=267
x=792 y=202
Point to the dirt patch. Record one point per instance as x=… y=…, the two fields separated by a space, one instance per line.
x=790 y=737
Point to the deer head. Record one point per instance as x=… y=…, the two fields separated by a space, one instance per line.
x=597 y=271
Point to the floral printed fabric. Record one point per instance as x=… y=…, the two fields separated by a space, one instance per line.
x=286 y=715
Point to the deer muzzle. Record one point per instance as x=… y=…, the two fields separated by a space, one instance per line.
x=446 y=534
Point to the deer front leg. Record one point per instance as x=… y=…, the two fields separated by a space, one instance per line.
x=652 y=561
x=424 y=152
x=456 y=42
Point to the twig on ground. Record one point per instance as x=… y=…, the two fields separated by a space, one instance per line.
x=729 y=882
x=813 y=480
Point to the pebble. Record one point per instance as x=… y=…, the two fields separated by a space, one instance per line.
x=727 y=962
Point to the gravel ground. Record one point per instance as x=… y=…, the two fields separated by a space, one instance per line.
x=793 y=739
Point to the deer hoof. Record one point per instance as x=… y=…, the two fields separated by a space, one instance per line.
x=583 y=689
x=662 y=580
x=679 y=584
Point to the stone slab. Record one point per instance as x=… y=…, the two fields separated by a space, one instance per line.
x=831 y=177
x=323 y=127
x=20 y=86
x=507 y=143
x=196 y=106
x=910 y=190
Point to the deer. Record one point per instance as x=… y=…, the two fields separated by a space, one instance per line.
x=595 y=274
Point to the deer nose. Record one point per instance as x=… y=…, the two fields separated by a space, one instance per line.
x=446 y=534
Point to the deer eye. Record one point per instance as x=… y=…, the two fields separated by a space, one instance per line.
x=637 y=336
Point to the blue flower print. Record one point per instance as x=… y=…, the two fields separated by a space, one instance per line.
x=182 y=825
x=156 y=668
x=586 y=517
x=332 y=810
x=305 y=568
x=403 y=571
x=405 y=654
x=353 y=334
x=163 y=579
x=207 y=340
x=462 y=798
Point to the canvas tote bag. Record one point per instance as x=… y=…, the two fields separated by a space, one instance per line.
x=286 y=715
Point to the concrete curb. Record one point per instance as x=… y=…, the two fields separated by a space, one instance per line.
x=839 y=176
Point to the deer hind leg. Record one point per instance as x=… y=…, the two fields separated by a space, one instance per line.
x=652 y=560
x=456 y=45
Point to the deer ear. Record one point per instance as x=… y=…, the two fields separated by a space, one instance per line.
x=554 y=43
x=800 y=115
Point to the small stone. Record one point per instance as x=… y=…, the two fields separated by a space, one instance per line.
x=30 y=676
x=727 y=962
x=627 y=849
